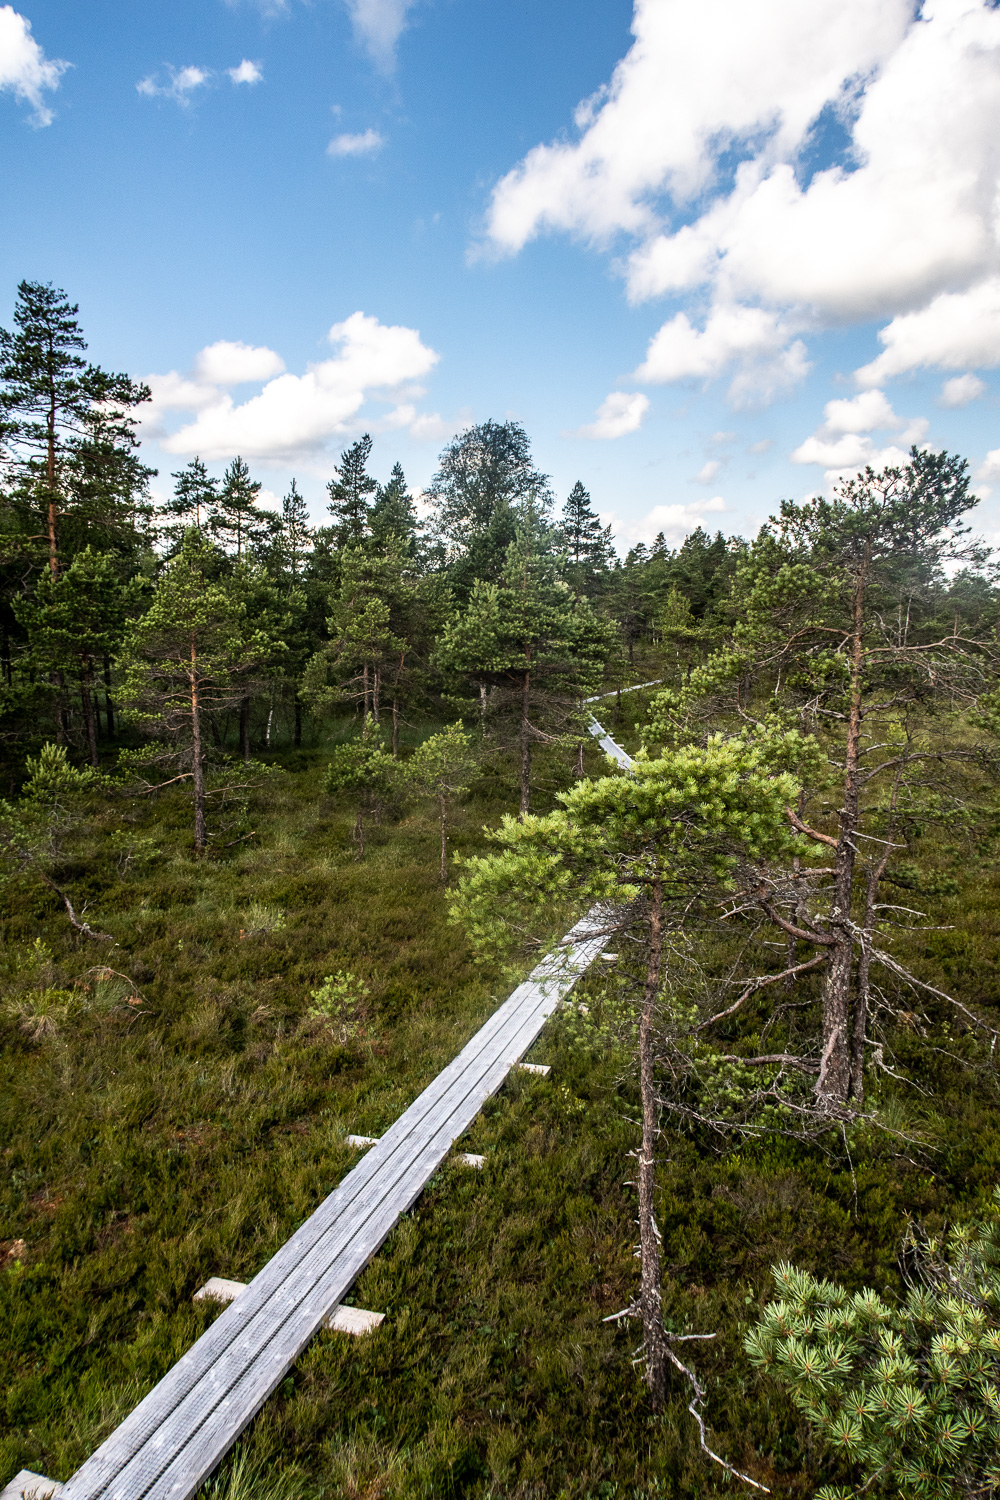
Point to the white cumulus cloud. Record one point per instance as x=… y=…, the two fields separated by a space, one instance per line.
x=960 y=390
x=700 y=154
x=25 y=71
x=954 y=329
x=295 y=416
x=990 y=466
x=365 y=143
x=618 y=414
x=245 y=72
x=708 y=471
x=769 y=360
x=843 y=444
x=226 y=363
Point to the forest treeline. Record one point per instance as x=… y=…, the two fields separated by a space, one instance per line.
x=816 y=773
x=214 y=618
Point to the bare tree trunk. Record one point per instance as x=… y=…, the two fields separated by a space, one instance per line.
x=50 y=476
x=482 y=705
x=87 y=698
x=525 y=746
x=197 y=760
x=376 y=693
x=579 y=758
x=395 y=728
x=367 y=695
x=444 y=840
x=245 y=730
x=859 y=1020
x=108 y=710
x=654 y=1343
x=833 y=1084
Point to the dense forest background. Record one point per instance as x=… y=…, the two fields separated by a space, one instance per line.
x=240 y=755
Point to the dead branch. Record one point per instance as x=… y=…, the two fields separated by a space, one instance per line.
x=83 y=927
x=761 y=983
x=812 y=833
x=890 y=963
x=797 y=932
x=694 y=1407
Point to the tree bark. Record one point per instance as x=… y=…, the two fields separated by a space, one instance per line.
x=395 y=728
x=109 y=713
x=579 y=758
x=444 y=839
x=833 y=1084
x=197 y=761
x=245 y=730
x=654 y=1343
x=525 y=746
x=50 y=477
x=367 y=694
x=87 y=697
x=376 y=693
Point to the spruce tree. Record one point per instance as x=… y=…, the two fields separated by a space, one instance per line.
x=349 y=493
x=394 y=515
x=588 y=543
x=235 y=521
x=195 y=500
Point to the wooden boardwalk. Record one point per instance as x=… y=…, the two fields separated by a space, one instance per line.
x=177 y=1435
x=187 y=1423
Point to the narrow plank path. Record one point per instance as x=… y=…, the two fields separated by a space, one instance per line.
x=187 y=1423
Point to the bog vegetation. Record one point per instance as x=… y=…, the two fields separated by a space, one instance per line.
x=286 y=809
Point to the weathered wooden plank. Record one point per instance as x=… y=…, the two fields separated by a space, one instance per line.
x=542 y=1069
x=187 y=1423
x=31 y=1486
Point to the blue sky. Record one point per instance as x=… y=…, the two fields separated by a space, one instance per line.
x=709 y=256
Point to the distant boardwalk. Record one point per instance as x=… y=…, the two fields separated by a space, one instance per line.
x=187 y=1423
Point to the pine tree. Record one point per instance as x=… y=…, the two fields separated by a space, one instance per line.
x=349 y=494
x=533 y=648
x=442 y=767
x=74 y=620
x=645 y=855
x=60 y=415
x=187 y=657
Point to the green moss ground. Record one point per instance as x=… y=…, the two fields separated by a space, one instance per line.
x=148 y=1146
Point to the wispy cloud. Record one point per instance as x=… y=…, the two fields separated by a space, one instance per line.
x=180 y=85
x=365 y=143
